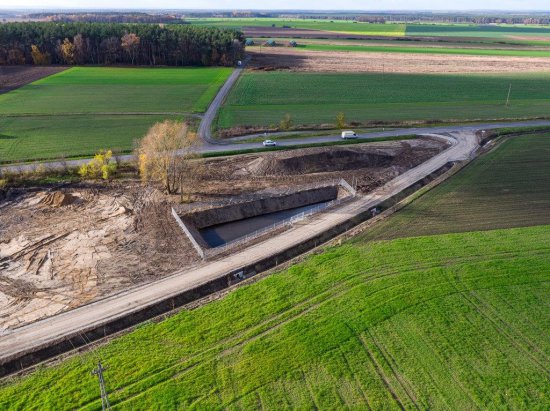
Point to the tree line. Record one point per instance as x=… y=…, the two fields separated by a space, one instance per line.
x=107 y=17
x=42 y=43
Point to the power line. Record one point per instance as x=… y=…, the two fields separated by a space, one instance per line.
x=104 y=398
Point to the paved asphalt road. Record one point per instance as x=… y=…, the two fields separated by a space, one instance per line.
x=232 y=146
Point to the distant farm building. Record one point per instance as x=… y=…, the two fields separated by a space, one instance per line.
x=270 y=43
x=249 y=42
x=292 y=43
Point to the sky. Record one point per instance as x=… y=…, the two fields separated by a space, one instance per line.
x=285 y=4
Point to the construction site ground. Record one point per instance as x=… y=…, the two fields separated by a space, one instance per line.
x=62 y=246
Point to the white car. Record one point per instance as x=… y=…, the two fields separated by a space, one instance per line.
x=349 y=134
x=269 y=143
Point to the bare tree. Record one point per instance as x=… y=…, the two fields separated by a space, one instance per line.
x=130 y=43
x=165 y=155
x=80 y=49
x=109 y=47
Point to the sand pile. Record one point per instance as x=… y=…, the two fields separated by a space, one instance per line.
x=58 y=199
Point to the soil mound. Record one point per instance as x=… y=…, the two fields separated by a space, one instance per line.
x=58 y=199
x=318 y=162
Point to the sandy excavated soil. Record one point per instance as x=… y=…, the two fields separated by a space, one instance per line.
x=66 y=246
x=303 y=60
x=12 y=77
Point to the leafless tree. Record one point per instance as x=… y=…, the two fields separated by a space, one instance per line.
x=80 y=49
x=130 y=43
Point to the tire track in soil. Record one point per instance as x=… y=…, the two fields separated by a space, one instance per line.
x=380 y=373
x=513 y=331
x=392 y=364
x=214 y=352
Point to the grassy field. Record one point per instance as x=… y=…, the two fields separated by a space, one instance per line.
x=456 y=321
x=472 y=30
x=390 y=29
x=325 y=25
x=84 y=109
x=263 y=98
x=509 y=187
x=34 y=138
x=117 y=90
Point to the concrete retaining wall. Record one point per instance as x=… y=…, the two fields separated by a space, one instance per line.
x=239 y=211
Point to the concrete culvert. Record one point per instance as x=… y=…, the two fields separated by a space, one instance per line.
x=317 y=161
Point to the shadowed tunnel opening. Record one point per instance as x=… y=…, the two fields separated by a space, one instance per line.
x=221 y=234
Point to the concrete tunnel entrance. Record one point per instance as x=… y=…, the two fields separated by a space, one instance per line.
x=216 y=229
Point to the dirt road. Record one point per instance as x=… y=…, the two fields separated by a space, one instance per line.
x=42 y=333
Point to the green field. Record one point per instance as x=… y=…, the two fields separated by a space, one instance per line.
x=504 y=31
x=263 y=98
x=326 y=25
x=51 y=137
x=509 y=187
x=456 y=321
x=117 y=90
x=471 y=30
x=83 y=109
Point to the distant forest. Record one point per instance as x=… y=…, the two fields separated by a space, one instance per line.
x=116 y=43
x=108 y=17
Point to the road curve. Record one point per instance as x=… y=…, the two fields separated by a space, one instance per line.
x=32 y=337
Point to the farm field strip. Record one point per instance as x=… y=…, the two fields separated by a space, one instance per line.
x=263 y=98
x=470 y=30
x=337 y=26
x=490 y=44
x=123 y=90
x=515 y=32
x=51 y=137
x=450 y=295
x=498 y=190
x=427 y=50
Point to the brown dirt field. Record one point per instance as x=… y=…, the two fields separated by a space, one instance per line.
x=67 y=245
x=536 y=38
x=12 y=77
x=361 y=62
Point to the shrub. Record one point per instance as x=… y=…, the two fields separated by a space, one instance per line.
x=100 y=166
x=341 y=120
x=286 y=122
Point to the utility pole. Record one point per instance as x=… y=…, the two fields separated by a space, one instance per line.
x=508 y=98
x=104 y=398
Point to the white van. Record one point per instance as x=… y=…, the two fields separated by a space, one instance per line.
x=349 y=134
